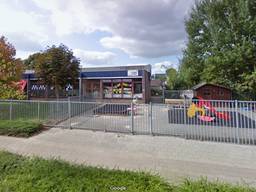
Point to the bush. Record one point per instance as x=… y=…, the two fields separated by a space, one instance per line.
x=19 y=128
x=10 y=92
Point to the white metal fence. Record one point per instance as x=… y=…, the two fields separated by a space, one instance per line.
x=219 y=121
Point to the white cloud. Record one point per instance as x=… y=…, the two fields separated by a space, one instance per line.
x=25 y=42
x=92 y=58
x=144 y=28
x=161 y=67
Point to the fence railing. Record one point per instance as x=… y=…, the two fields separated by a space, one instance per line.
x=219 y=121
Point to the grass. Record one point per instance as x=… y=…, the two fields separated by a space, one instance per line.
x=25 y=174
x=203 y=185
x=19 y=128
x=33 y=174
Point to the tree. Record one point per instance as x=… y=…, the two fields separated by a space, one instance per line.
x=10 y=67
x=171 y=77
x=10 y=71
x=29 y=63
x=56 y=66
x=221 y=44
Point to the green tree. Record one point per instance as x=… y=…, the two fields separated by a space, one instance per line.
x=171 y=74
x=10 y=71
x=29 y=63
x=10 y=67
x=221 y=44
x=56 y=66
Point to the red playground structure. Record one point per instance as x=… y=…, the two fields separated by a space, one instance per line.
x=206 y=105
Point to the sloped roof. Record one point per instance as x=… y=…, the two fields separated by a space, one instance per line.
x=204 y=83
x=156 y=83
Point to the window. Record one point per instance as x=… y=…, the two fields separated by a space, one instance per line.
x=117 y=88
x=207 y=92
x=221 y=92
x=107 y=89
x=121 y=88
x=93 y=88
x=138 y=89
x=127 y=88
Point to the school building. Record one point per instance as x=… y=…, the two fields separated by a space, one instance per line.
x=110 y=84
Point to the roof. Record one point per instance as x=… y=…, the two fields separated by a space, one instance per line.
x=204 y=84
x=146 y=67
x=124 y=71
x=156 y=83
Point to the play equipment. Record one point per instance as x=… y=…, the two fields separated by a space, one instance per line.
x=206 y=111
x=20 y=84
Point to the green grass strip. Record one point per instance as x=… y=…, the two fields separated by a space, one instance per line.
x=25 y=174
x=19 y=128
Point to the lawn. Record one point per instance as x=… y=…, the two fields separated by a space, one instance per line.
x=19 y=128
x=24 y=174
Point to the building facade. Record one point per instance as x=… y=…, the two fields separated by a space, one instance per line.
x=118 y=84
x=110 y=84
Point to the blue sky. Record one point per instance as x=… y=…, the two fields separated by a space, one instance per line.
x=100 y=32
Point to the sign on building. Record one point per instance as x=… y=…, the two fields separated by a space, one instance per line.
x=133 y=73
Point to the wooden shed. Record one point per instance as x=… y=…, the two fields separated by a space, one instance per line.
x=212 y=91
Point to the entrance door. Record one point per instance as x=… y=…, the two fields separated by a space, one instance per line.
x=93 y=88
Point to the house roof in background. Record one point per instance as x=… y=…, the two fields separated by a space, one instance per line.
x=156 y=83
x=205 y=83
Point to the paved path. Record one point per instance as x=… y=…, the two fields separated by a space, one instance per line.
x=173 y=158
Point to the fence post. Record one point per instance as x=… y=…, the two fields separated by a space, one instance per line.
x=185 y=114
x=151 y=118
x=10 y=110
x=132 y=118
x=237 y=122
x=38 y=111
x=69 y=112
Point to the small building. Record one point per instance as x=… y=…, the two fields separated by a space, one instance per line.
x=212 y=92
x=109 y=84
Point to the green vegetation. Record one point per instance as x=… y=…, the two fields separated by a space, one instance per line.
x=221 y=46
x=203 y=185
x=10 y=71
x=23 y=174
x=19 y=128
x=55 y=66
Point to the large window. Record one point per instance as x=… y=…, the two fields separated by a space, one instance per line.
x=117 y=88
x=138 y=89
x=127 y=88
x=122 y=88
x=107 y=88
x=93 y=88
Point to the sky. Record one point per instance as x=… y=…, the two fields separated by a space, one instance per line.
x=100 y=32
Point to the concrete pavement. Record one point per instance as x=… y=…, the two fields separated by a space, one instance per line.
x=172 y=158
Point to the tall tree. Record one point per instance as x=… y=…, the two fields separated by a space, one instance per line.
x=10 y=67
x=171 y=74
x=221 y=43
x=10 y=71
x=56 y=66
x=29 y=63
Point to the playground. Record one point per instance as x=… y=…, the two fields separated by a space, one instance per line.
x=236 y=119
